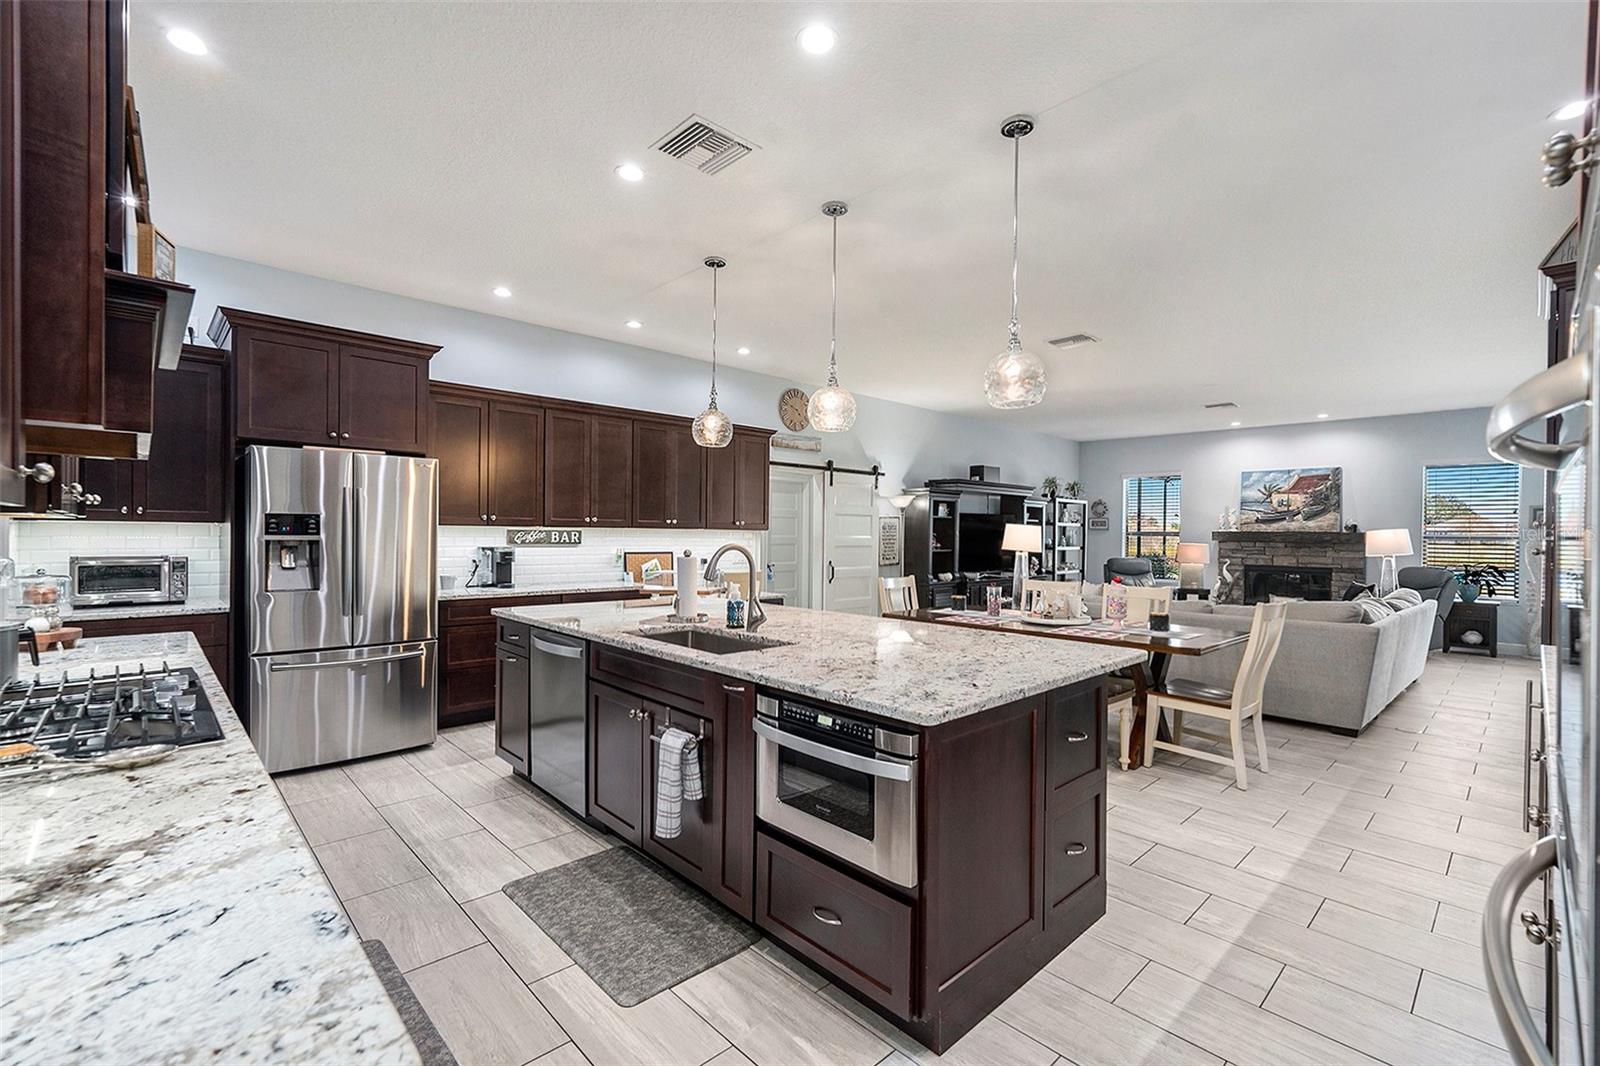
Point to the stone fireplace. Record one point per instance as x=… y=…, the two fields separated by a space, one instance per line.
x=1289 y=563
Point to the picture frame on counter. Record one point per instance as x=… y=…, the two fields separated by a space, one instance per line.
x=157 y=257
x=544 y=537
x=890 y=531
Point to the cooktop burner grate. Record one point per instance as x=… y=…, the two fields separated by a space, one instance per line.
x=81 y=717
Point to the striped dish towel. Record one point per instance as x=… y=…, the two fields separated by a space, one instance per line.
x=677 y=779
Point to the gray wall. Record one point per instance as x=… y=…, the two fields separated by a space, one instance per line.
x=910 y=444
x=1382 y=459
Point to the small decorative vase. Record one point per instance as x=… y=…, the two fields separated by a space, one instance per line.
x=1467 y=593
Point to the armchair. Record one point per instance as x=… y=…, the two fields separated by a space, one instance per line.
x=1433 y=583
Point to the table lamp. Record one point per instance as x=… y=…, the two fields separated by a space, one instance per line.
x=1021 y=539
x=1192 y=560
x=1385 y=544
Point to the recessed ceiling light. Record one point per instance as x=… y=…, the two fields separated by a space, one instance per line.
x=1235 y=423
x=186 y=41
x=630 y=172
x=1323 y=415
x=634 y=323
x=502 y=292
x=744 y=351
x=817 y=39
x=1570 y=111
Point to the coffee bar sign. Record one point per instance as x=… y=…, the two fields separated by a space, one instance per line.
x=544 y=538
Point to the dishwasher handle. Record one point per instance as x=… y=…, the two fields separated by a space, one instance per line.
x=565 y=651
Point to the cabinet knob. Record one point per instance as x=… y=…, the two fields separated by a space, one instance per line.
x=484 y=517
x=333 y=434
x=124 y=509
x=138 y=510
x=493 y=517
x=345 y=435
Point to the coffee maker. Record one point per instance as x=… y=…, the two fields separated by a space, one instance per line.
x=494 y=568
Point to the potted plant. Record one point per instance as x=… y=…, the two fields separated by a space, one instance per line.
x=1073 y=490
x=1050 y=486
x=1479 y=580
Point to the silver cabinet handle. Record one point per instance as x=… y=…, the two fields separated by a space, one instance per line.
x=333 y=434
x=138 y=510
x=484 y=517
x=40 y=472
x=509 y=659
x=1077 y=849
x=894 y=771
x=331 y=664
x=1077 y=738
x=346 y=436
x=566 y=651
x=124 y=509
x=493 y=517
x=740 y=689
x=1499 y=916
x=825 y=916
x=1547 y=393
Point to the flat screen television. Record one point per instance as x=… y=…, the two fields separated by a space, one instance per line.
x=980 y=538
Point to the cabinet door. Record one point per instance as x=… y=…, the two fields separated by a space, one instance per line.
x=688 y=480
x=112 y=481
x=185 y=476
x=383 y=400
x=511 y=707
x=721 y=486
x=654 y=464
x=286 y=387
x=566 y=469
x=13 y=490
x=611 y=471
x=467 y=672
x=516 y=464
x=616 y=762
x=750 y=457
x=696 y=852
x=461 y=444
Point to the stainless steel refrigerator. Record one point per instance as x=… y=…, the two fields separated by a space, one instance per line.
x=1549 y=425
x=340 y=557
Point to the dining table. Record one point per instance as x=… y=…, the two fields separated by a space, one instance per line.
x=1178 y=639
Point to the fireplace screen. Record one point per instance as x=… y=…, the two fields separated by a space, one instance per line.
x=1261 y=583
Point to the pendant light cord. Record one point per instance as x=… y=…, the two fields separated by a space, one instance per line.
x=713 y=336
x=1016 y=166
x=833 y=323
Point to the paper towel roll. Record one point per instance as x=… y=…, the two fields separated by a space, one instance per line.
x=686 y=575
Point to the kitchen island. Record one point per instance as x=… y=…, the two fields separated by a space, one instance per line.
x=916 y=810
x=174 y=913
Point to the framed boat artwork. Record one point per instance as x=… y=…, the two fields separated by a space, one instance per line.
x=1303 y=499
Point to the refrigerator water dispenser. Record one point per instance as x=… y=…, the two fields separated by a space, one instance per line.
x=292 y=544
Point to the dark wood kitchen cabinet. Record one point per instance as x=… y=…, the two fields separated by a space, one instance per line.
x=185 y=478
x=468 y=662
x=210 y=631
x=588 y=463
x=737 y=482
x=491 y=458
x=13 y=489
x=617 y=760
x=668 y=475
x=302 y=383
x=513 y=702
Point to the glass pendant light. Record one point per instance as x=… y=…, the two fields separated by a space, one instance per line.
x=832 y=409
x=712 y=428
x=1016 y=377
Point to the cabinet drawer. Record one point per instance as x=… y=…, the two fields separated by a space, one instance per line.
x=649 y=676
x=1076 y=746
x=1073 y=843
x=856 y=933
x=513 y=634
x=457 y=612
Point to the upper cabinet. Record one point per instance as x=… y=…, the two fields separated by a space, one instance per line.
x=491 y=458
x=301 y=383
x=737 y=481
x=669 y=475
x=588 y=464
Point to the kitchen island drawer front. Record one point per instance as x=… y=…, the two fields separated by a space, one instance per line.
x=456 y=612
x=653 y=677
x=1076 y=723
x=604 y=596
x=1074 y=844
x=856 y=933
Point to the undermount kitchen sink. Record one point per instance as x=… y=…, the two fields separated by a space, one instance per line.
x=709 y=640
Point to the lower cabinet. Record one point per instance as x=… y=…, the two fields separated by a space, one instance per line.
x=616 y=761
x=211 y=630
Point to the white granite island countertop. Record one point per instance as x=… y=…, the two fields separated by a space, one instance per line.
x=174 y=913
x=199 y=605
x=909 y=671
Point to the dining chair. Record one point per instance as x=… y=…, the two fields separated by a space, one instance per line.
x=897 y=594
x=1120 y=697
x=1141 y=598
x=1232 y=705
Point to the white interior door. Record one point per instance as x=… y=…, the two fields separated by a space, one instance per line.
x=850 y=544
x=793 y=548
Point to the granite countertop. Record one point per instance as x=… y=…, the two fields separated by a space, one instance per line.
x=558 y=588
x=174 y=913
x=909 y=671
x=202 y=605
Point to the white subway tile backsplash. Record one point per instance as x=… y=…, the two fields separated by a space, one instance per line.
x=597 y=559
x=50 y=545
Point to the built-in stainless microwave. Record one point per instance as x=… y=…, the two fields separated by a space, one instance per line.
x=98 y=581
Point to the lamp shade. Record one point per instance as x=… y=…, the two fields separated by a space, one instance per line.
x=1022 y=538
x=902 y=501
x=1386 y=542
x=1198 y=552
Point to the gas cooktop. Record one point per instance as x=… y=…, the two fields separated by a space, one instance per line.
x=105 y=711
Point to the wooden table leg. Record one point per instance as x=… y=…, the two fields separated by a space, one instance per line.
x=1146 y=676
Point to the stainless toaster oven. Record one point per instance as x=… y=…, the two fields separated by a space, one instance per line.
x=98 y=581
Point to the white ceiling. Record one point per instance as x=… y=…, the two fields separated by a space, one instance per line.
x=1301 y=208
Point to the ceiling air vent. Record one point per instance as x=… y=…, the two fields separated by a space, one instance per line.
x=708 y=148
x=1073 y=341
x=1223 y=406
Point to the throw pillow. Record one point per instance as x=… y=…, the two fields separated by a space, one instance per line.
x=1372 y=609
x=1356 y=588
x=1400 y=599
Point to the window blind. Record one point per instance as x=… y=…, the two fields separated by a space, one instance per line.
x=1150 y=519
x=1470 y=517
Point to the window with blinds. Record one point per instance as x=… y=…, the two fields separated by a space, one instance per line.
x=1150 y=520
x=1470 y=517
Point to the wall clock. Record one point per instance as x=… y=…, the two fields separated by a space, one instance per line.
x=792 y=409
x=1099 y=509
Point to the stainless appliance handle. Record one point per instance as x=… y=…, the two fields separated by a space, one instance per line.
x=358 y=500
x=566 y=651
x=1547 y=393
x=894 y=771
x=1527 y=761
x=396 y=657
x=1499 y=917
x=346 y=582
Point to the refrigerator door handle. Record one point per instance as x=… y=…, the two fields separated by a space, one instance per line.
x=396 y=657
x=347 y=591
x=1522 y=1035
x=359 y=504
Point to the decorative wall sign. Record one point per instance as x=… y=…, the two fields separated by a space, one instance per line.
x=1099 y=520
x=889 y=529
x=796 y=443
x=1306 y=499
x=544 y=538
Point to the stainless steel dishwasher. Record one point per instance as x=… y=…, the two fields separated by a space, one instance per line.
x=557 y=705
